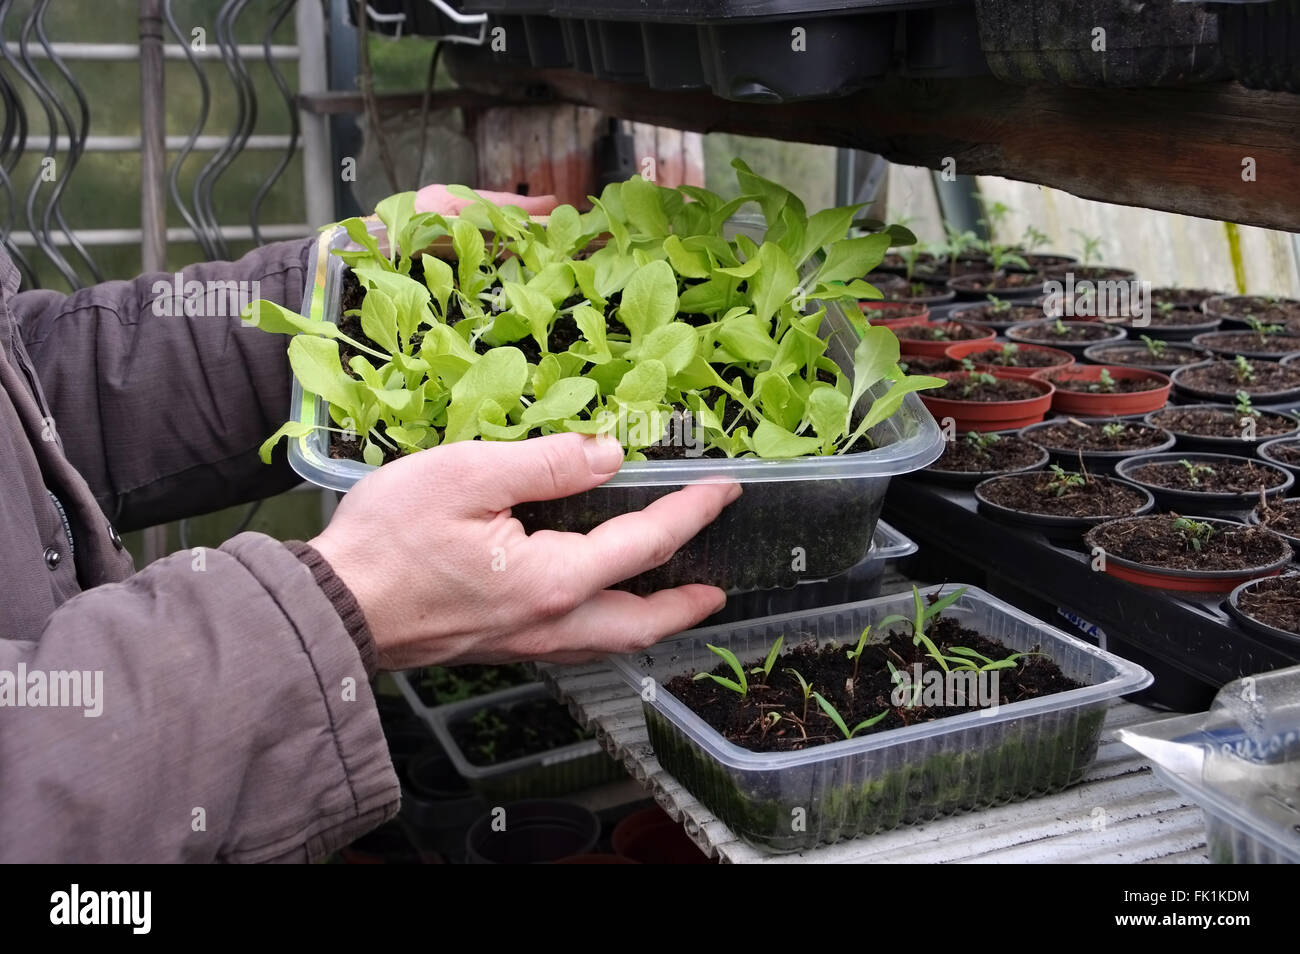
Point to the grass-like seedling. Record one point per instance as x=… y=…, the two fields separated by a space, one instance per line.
x=739 y=685
x=1195 y=472
x=834 y=715
x=765 y=670
x=805 y=688
x=1194 y=533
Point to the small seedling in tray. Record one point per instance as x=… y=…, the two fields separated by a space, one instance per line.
x=1196 y=471
x=1194 y=533
x=1155 y=347
x=1063 y=481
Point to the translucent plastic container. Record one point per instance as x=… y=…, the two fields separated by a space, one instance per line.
x=570 y=768
x=791 y=801
x=807 y=518
x=1240 y=762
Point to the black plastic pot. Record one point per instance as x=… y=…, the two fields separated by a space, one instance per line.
x=1052 y=524
x=1252 y=624
x=1097 y=462
x=1192 y=323
x=1209 y=341
x=965 y=310
x=531 y=832
x=1211 y=444
x=1156 y=43
x=1266 y=449
x=1259 y=42
x=616 y=51
x=545 y=39
x=438 y=804
x=1257 y=397
x=966 y=478
x=1016 y=333
x=672 y=56
x=1096 y=354
x=1230 y=310
x=1254 y=519
x=964 y=288
x=1188 y=502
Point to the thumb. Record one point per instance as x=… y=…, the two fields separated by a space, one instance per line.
x=495 y=475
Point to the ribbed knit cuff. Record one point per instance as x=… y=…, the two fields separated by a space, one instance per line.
x=345 y=604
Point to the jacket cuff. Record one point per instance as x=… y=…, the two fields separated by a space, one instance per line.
x=345 y=604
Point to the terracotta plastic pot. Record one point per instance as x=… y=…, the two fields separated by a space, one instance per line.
x=992 y=415
x=1185 y=581
x=937 y=348
x=893 y=314
x=651 y=837
x=962 y=349
x=1098 y=404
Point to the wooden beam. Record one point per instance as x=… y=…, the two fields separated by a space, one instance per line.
x=1178 y=149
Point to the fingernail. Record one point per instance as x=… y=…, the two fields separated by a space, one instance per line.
x=735 y=491
x=604 y=454
x=721 y=602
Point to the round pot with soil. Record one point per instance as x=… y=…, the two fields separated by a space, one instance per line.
x=1283 y=451
x=1240 y=311
x=1096 y=390
x=1270 y=606
x=1072 y=336
x=1153 y=354
x=933 y=338
x=1100 y=443
x=924 y=291
x=1170 y=324
x=1280 y=516
x=1010 y=357
x=1195 y=482
x=536 y=831
x=1171 y=297
x=1042 y=261
x=889 y=285
x=1091 y=273
x=984 y=401
x=921 y=364
x=1189 y=554
x=976 y=456
x=1270 y=343
x=1058 y=500
x=894 y=314
x=1006 y=285
x=1222 y=428
x=1265 y=382
x=998 y=313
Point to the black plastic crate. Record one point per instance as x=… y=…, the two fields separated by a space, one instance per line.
x=1153 y=43
x=1261 y=42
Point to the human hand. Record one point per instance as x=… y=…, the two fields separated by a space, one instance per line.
x=444 y=574
x=436 y=198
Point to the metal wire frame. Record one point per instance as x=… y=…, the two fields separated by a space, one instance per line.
x=286 y=7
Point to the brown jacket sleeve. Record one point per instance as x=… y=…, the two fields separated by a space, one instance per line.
x=234 y=720
x=161 y=394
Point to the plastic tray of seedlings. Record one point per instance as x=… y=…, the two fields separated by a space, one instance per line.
x=568 y=767
x=793 y=800
x=824 y=508
x=1240 y=762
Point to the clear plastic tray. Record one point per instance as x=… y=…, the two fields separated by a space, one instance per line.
x=1240 y=762
x=569 y=768
x=806 y=518
x=790 y=801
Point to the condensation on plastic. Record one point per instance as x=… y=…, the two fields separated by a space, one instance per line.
x=791 y=801
x=569 y=768
x=1240 y=762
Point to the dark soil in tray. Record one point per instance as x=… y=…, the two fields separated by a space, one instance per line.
x=1189 y=298
x=1286 y=453
x=991 y=283
x=1221 y=377
x=745 y=721
x=1247 y=341
x=962 y=388
x=1011 y=356
x=1071 y=332
x=1004 y=316
x=1274 y=602
x=1063 y=495
x=1281 y=515
x=942 y=331
x=1222 y=477
x=927 y=364
x=1158 y=541
x=500 y=734
x=1002 y=454
x=1219 y=422
x=1074 y=435
x=439 y=685
x=1064 y=382
x=1140 y=354
x=1261 y=308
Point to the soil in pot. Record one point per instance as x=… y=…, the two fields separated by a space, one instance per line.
x=492 y=736
x=891 y=286
x=927 y=364
x=1226 y=378
x=893 y=313
x=976 y=453
x=1224 y=422
x=1061 y=493
x=1262 y=308
x=1285 y=453
x=1012 y=355
x=1092 y=273
x=1170 y=298
x=1072 y=435
x=985 y=388
x=941 y=331
x=858 y=690
x=1221 y=476
x=923 y=291
x=1063 y=332
x=1105 y=383
x=1282 y=516
x=1161 y=357
x=1171 y=542
x=1248 y=343
x=1274 y=602
x=990 y=283
x=999 y=314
